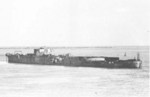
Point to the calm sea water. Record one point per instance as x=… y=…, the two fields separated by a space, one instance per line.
x=17 y=80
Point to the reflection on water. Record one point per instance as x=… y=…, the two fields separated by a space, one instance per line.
x=55 y=81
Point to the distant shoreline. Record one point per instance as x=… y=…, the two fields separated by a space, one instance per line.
x=72 y=47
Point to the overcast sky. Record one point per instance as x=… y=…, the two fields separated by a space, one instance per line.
x=74 y=22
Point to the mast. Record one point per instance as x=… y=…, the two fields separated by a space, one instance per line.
x=138 y=56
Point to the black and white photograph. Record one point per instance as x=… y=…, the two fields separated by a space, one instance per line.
x=74 y=48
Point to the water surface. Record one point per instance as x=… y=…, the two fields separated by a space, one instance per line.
x=17 y=80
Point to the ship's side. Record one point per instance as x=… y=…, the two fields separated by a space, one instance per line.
x=76 y=61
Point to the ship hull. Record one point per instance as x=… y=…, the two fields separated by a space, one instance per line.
x=72 y=61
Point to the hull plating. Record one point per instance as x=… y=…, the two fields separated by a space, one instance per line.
x=73 y=61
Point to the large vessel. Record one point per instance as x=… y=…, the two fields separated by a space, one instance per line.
x=45 y=57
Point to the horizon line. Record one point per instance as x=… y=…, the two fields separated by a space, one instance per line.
x=1 y=47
